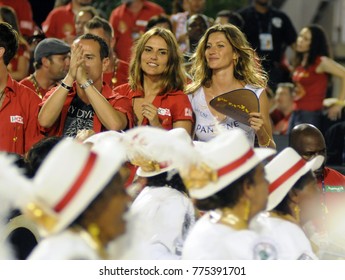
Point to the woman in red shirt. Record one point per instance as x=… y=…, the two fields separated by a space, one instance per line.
x=156 y=82
x=313 y=66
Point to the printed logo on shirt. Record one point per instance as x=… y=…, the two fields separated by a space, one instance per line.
x=122 y=28
x=265 y=251
x=277 y=22
x=334 y=188
x=16 y=119
x=163 y=111
x=188 y=112
x=214 y=128
x=141 y=22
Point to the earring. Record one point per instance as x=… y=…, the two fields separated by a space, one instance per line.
x=297 y=211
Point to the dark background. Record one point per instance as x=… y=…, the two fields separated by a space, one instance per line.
x=42 y=8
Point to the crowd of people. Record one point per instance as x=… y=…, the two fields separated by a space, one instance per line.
x=114 y=148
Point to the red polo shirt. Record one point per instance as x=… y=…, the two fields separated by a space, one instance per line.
x=314 y=84
x=19 y=128
x=128 y=26
x=172 y=106
x=120 y=103
x=60 y=22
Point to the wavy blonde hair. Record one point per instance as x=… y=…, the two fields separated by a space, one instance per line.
x=173 y=78
x=248 y=68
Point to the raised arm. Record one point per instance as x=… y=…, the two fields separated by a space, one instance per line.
x=329 y=66
x=52 y=107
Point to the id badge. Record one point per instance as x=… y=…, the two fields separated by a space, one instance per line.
x=266 y=42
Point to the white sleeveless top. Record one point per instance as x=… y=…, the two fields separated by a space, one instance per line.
x=207 y=126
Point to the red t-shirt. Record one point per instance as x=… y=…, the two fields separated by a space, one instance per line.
x=128 y=26
x=24 y=14
x=29 y=83
x=172 y=106
x=60 y=22
x=121 y=76
x=314 y=84
x=19 y=128
x=120 y=103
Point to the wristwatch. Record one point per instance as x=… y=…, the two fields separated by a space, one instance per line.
x=88 y=83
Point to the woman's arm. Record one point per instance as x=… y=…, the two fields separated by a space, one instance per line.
x=187 y=125
x=260 y=122
x=329 y=66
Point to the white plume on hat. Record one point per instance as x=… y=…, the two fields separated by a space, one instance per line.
x=284 y=170
x=14 y=187
x=110 y=135
x=154 y=147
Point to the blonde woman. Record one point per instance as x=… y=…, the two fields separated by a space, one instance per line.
x=224 y=61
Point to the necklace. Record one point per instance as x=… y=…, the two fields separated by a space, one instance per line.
x=226 y=216
x=93 y=242
x=36 y=85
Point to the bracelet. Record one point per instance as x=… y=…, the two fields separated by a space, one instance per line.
x=65 y=86
x=268 y=142
x=88 y=83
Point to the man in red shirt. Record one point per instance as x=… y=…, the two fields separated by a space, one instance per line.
x=18 y=104
x=82 y=101
x=308 y=141
x=60 y=21
x=129 y=21
x=284 y=106
x=51 y=62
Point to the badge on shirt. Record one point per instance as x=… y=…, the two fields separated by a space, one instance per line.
x=17 y=119
x=122 y=27
x=266 y=42
x=334 y=189
x=277 y=22
x=265 y=251
x=188 y=112
x=141 y=22
x=163 y=111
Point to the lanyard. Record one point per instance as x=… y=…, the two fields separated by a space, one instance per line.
x=269 y=28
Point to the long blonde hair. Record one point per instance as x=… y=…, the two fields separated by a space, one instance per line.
x=173 y=78
x=247 y=69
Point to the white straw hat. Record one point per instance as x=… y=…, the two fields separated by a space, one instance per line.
x=69 y=179
x=284 y=170
x=224 y=159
